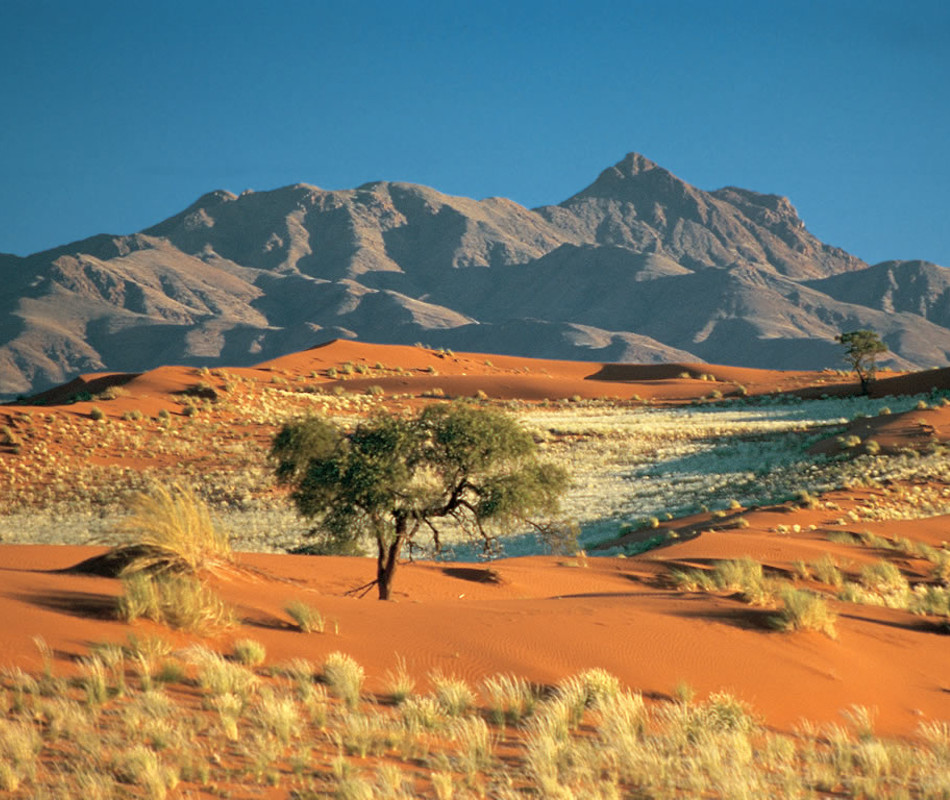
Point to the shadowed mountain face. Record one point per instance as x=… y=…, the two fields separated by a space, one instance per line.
x=639 y=266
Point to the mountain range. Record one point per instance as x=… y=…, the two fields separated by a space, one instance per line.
x=640 y=266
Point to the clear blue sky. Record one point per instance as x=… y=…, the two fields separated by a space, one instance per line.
x=115 y=115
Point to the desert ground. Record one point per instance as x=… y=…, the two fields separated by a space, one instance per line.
x=757 y=603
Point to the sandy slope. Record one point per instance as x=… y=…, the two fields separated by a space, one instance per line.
x=540 y=617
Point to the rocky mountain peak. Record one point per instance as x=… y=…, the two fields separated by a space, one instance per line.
x=633 y=164
x=634 y=179
x=640 y=264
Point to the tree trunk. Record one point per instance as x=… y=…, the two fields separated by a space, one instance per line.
x=386 y=559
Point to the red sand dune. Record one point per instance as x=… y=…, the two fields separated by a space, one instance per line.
x=541 y=617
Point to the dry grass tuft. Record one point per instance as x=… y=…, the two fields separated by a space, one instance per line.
x=179 y=601
x=805 y=611
x=171 y=530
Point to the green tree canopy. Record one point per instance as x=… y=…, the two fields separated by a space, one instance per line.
x=394 y=478
x=863 y=348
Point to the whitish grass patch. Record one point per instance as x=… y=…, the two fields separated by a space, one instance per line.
x=399 y=683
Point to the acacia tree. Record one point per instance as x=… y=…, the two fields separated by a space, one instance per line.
x=394 y=478
x=863 y=348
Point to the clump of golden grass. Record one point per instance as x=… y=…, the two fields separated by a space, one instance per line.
x=307 y=618
x=171 y=530
x=179 y=601
x=453 y=694
x=744 y=576
x=805 y=611
x=249 y=652
x=510 y=698
x=344 y=676
x=879 y=584
x=826 y=571
x=399 y=682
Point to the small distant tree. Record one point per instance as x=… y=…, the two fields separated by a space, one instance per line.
x=863 y=348
x=394 y=478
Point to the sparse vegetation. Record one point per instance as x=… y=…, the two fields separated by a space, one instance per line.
x=454 y=696
x=249 y=652
x=591 y=737
x=399 y=682
x=744 y=576
x=344 y=677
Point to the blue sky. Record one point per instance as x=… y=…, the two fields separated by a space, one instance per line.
x=116 y=115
